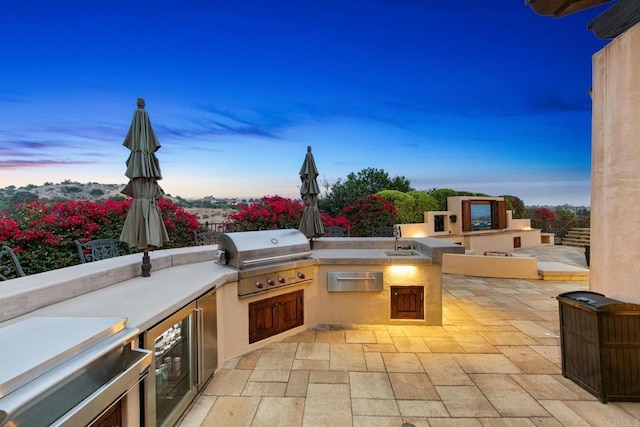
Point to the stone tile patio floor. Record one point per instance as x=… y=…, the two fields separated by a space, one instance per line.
x=495 y=361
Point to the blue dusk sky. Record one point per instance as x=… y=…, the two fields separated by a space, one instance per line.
x=483 y=96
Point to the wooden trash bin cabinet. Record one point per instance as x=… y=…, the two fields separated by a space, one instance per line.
x=600 y=345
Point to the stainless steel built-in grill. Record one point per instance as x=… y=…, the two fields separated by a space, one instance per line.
x=67 y=371
x=267 y=259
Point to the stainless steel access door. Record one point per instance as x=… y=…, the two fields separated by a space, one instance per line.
x=207 y=337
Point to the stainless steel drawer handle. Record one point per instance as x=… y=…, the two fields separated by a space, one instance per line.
x=356 y=278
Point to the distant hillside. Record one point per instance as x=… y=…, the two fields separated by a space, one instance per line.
x=66 y=190
x=207 y=209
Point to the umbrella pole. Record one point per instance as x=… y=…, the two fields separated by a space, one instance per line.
x=146 y=265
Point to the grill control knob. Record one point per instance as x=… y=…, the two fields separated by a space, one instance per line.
x=281 y=279
x=271 y=282
x=259 y=285
x=301 y=275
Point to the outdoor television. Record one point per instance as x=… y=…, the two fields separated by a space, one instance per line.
x=480 y=215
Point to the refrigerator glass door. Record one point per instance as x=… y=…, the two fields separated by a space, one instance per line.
x=172 y=387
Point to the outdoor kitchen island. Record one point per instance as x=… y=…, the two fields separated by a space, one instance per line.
x=112 y=288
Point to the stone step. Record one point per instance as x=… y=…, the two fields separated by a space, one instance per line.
x=579 y=237
x=579 y=244
x=568 y=237
x=578 y=233
x=558 y=271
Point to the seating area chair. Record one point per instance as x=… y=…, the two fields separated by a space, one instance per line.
x=202 y=238
x=10 y=267
x=99 y=249
x=335 y=231
x=383 y=232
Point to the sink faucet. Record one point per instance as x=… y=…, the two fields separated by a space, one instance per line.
x=397 y=234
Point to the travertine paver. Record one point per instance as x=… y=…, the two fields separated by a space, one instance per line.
x=528 y=360
x=375 y=407
x=402 y=362
x=277 y=412
x=544 y=387
x=506 y=395
x=313 y=351
x=347 y=357
x=415 y=386
x=444 y=370
x=297 y=385
x=328 y=404
x=228 y=383
x=232 y=411
x=494 y=362
x=465 y=401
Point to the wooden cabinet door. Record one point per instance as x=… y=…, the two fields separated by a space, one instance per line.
x=407 y=302
x=271 y=316
x=262 y=319
x=290 y=311
x=111 y=418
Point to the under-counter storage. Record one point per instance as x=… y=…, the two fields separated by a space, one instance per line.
x=185 y=346
x=271 y=316
x=172 y=386
x=354 y=281
x=407 y=302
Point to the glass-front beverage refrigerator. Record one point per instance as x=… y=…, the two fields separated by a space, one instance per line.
x=170 y=390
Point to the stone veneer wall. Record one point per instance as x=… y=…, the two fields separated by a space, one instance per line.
x=615 y=174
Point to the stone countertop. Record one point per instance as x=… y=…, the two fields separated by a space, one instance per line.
x=145 y=301
x=114 y=288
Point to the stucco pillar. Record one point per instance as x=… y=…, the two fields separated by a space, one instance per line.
x=615 y=173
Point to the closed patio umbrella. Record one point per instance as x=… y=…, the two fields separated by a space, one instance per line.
x=311 y=221
x=143 y=228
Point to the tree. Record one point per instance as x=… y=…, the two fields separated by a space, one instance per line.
x=441 y=194
x=404 y=203
x=368 y=212
x=423 y=202
x=516 y=205
x=367 y=181
x=411 y=205
x=547 y=216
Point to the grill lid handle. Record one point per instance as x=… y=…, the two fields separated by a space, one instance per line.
x=221 y=257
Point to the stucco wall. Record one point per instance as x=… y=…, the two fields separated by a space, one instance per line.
x=375 y=307
x=615 y=175
x=481 y=242
x=323 y=307
x=491 y=266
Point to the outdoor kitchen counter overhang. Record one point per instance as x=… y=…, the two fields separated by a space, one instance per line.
x=145 y=301
x=179 y=277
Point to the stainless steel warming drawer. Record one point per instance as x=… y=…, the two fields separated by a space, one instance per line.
x=354 y=281
x=66 y=370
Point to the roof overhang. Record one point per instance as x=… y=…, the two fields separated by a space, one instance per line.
x=610 y=24
x=560 y=8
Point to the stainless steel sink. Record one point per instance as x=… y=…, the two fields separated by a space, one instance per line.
x=402 y=252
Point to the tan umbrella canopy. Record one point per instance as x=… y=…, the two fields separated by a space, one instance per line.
x=311 y=221
x=143 y=228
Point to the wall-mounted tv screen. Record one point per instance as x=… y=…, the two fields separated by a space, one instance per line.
x=480 y=216
x=483 y=215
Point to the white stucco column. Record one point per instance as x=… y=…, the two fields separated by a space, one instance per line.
x=615 y=173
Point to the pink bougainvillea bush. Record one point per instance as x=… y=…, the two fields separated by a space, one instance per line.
x=268 y=213
x=41 y=233
x=368 y=212
x=273 y=212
